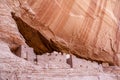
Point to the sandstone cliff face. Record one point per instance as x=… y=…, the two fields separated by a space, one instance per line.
x=88 y=29
x=8 y=30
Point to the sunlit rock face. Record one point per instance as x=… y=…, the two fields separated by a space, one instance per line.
x=90 y=28
x=86 y=28
x=8 y=30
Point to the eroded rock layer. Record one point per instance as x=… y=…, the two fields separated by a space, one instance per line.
x=88 y=29
x=8 y=30
x=15 y=68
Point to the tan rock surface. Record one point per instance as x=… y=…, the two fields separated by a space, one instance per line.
x=89 y=29
x=86 y=28
x=15 y=68
x=8 y=30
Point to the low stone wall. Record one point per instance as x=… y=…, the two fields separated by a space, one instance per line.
x=16 y=68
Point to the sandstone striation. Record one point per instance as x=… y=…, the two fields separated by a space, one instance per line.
x=87 y=30
x=8 y=29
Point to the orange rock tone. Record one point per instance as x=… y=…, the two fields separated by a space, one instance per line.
x=90 y=27
x=86 y=28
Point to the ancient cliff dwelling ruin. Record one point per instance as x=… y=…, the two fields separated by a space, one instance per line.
x=59 y=39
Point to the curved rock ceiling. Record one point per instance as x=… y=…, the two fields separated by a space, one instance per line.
x=86 y=28
x=90 y=27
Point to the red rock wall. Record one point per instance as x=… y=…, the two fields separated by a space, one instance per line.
x=8 y=30
x=89 y=27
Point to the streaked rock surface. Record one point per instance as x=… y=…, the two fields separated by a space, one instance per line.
x=89 y=29
x=8 y=30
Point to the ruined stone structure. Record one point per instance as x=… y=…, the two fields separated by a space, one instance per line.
x=89 y=29
x=53 y=60
x=69 y=60
x=15 y=68
x=26 y=52
x=58 y=60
